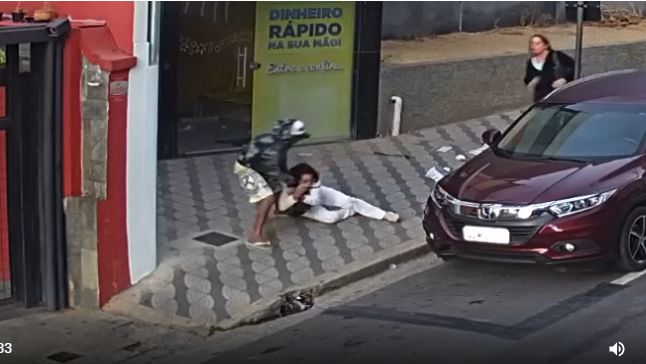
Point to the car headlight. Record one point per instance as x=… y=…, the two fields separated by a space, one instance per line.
x=513 y=213
x=579 y=204
x=560 y=208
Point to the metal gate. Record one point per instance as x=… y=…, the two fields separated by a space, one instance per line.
x=32 y=244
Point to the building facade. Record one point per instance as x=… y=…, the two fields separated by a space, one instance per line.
x=165 y=80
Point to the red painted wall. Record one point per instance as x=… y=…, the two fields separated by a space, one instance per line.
x=114 y=273
x=72 y=146
x=118 y=14
x=99 y=47
x=111 y=48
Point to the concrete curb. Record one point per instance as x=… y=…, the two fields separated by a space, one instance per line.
x=269 y=308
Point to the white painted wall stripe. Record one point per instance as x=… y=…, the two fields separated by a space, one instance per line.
x=142 y=152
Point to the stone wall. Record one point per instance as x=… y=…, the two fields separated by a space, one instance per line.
x=409 y=19
x=404 y=19
x=438 y=93
x=81 y=212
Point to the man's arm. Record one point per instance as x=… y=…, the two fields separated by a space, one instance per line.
x=313 y=198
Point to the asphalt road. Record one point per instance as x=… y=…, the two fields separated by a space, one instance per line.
x=468 y=312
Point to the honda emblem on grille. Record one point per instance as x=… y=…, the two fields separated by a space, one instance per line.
x=488 y=212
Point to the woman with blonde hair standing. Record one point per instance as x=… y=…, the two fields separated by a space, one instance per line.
x=547 y=69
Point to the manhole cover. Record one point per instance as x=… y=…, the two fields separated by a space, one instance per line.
x=215 y=239
x=63 y=357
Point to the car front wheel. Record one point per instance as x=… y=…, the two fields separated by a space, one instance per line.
x=632 y=242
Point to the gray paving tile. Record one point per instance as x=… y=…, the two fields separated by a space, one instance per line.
x=411 y=222
x=380 y=234
x=232 y=281
x=197 y=271
x=302 y=276
x=266 y=276
x=165 y=292
x=271 y=288
x=201 y=194
x=400 y=205
x=292 y=251
x=356 y=243
x=298 y=264
x=235 y=295
x=335 y=263
x=263 y=264
x=416 y=233
x=165 y=272
x=202 y=310
x=193 y=296
x=227 y=254
x=362 y=253
x=197 y=283
x=327 y=251
x=352 y=228
x=389 y=241
x=353 y=236
x=235 y=270
x=169 y=308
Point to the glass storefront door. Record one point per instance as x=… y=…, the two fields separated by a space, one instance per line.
x=214 y=78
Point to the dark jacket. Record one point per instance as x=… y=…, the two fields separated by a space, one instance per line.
x=551 y=72
x=297 y=209
x=267 y=153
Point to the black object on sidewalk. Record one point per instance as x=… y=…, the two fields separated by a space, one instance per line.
x=295 y=302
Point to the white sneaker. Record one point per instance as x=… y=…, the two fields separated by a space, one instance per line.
x=391 y=216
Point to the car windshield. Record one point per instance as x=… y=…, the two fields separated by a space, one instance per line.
x=577 y=131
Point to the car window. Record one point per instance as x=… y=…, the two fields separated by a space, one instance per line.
x=569 y=131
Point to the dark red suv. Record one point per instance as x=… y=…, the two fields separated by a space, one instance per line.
x=564 y=183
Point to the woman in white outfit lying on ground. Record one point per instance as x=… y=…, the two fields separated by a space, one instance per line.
x=308 y=198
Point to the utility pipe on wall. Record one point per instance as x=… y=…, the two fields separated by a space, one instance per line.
x=397 y=114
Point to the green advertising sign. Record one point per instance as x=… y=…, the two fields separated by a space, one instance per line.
x=304 y=50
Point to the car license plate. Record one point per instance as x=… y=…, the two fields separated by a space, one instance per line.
x=490 y=235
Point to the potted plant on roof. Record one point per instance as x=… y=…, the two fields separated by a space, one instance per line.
x=46 y=13
x=18 y=15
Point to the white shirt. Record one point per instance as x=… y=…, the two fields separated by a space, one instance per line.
x=537 y=64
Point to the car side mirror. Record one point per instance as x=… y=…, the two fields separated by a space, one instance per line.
x=491 y=136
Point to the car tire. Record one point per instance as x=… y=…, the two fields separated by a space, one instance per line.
x=632 y=242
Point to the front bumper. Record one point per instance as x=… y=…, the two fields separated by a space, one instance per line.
x=536 y=241
x=499 y=256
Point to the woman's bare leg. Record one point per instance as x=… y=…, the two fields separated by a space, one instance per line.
x=264 y=207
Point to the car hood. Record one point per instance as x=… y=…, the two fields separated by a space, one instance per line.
x=495 y=179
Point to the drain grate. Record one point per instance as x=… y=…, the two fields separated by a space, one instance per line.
x=63 y=357
x=215 y=239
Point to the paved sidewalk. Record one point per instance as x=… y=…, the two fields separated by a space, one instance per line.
x=207 y=275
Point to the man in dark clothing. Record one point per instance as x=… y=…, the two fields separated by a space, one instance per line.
x=546 y=69
x=262 y=170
